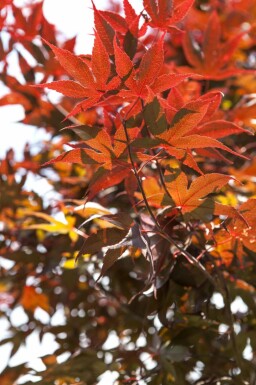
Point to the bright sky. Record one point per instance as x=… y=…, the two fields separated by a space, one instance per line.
x=76 y=17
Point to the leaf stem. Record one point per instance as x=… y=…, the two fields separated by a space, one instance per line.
x=190 y=257
x=137 y=175
x=153 y=152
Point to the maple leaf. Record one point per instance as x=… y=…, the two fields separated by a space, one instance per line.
x=147 y=81
x=224 y=249
x=54 y=226
x=74 y=65
x=78 y=155
x=104 y=179
x=67 y=88
x=100 y=62
x=150 y=66
x=115 y=21
x=124 y=65
x=93 y=82
x=238 y=228
x=131 y=17
x=96 y=85
x=189 y=130
x=219 y=129
x=245 y=111
x=128 y=25
x=88 y=209
x=31 y=299
x=165 y=14
x=97 y=148
x=238 y=235
x=212 y=58
x=154 y=192
x=192 y=201
x=188 y=199
x=103 y=238
x=104 y=29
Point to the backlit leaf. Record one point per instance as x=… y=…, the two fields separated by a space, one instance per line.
x=80 y=156
x=189 y=198
x=151 y=64
x=131 y=17
x=100 y=62
x=68 y=88
x=75 y=66
x=104 y=29
x=124 y=65
x=31 y=299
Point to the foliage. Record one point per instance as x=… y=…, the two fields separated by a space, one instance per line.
x=153 y=215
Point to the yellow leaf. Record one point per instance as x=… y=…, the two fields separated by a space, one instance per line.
x=73 y=236
x=71 y=221
x=91 y=208
x=103 y=224
x=40 y=235
x=55 y=226
x=228 y=199
x=70 y=264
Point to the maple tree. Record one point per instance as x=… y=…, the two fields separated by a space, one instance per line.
x=153 y=212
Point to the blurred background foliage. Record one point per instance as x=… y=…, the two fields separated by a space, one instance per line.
x=182 y=331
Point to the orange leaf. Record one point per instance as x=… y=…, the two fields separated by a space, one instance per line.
x=185 y=120
x=78 y=155
x=151 y=64
x=166 y=81
x=219 y=129
x=31 y=300
x=166 y=13
x=68 y=88
x=100 y=62
x=211 y=41
x=75 y=66
x=192 y=51
x=106 y=178
x=239 y=228
x=123 y=63
x=104 y=30
x=189 y=199
x=154 y=192
x=131 y=17
x=198 y=141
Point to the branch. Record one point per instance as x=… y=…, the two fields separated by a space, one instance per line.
x=190 y=257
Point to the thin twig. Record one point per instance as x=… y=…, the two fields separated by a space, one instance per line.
x=137 y=175
x=153 y=152
x=190 y=257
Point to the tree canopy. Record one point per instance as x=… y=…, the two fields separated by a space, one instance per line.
x=141 y=265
